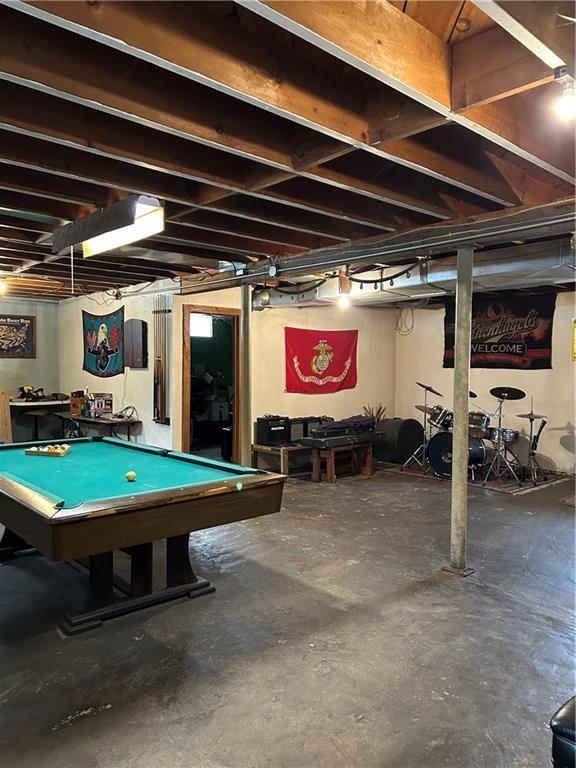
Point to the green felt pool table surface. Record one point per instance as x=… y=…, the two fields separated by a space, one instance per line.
x=95 y=470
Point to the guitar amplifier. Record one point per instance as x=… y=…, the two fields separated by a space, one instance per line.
x=297 y=429
x=272 y=430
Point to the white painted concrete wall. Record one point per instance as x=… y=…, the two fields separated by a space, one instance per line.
x=376 y=368
x=41 y=371
x=388 y=366
x=375 y=359
x=419 y=358
x=135 y=386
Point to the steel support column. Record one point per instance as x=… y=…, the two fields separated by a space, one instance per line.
x=459 y=500
x=245 y=391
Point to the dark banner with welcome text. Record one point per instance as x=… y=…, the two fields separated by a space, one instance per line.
x=510 y=330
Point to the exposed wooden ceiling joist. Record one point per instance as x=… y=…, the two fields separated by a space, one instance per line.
x=195 y=54
x=108 y=140
x=542 y=27
x=267 y=128
x=369 y=36
x=209 y=221
x=478 y=79
x=49 y=69
x=275 y=214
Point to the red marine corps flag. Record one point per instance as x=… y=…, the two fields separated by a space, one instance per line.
x=319 y=362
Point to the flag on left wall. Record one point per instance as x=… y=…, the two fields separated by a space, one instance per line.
x=103 y=343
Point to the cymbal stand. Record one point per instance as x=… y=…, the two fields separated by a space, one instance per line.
x=500 y=464
x=532 y=467
x=422 y=449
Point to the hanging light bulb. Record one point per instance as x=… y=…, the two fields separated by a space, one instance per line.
x=361 y=286
x=344 y=287
x=391 y=283
x=565 y=106
x=343 y=301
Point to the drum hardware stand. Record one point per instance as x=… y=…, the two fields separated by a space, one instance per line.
x=423 y=448
x=532 y=468
x=500 y=464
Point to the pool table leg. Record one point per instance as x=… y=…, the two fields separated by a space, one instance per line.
x=141 y=569
x=178 y=566
x=100 y=580
x=181 y=581
x=10 y=543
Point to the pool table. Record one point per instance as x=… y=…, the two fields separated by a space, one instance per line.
x=80 y=508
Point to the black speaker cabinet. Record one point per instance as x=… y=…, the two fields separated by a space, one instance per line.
x=135 y=344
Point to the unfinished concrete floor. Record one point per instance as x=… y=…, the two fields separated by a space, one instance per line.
x=333 y=641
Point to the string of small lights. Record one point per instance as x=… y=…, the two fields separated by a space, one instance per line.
x=379 y=281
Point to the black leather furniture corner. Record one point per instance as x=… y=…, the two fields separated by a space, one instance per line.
x=563 y=736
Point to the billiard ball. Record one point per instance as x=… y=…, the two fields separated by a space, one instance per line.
x=131 y=476
x=239 y=486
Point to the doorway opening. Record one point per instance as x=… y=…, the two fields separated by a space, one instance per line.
x=210 y=391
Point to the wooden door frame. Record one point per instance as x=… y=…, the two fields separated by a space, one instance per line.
x=187 y=311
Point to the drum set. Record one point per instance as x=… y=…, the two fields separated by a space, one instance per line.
x=490 y=442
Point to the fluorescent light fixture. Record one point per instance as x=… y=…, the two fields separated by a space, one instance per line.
x=201 y=326
x=134 y=218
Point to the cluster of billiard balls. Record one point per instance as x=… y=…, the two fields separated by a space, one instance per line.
x=50 y=448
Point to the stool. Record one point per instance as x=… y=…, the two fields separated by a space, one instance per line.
x=563 y=736
x=36 y=415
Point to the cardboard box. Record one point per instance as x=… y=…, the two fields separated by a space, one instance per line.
x=76 y=404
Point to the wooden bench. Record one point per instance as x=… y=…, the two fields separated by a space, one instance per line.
x=281 y=453
x=361 y=461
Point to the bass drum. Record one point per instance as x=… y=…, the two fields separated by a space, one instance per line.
x=395 y=440
x=440 y=453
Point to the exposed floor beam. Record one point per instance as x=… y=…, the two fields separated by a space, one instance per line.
x=215 y=55
x=111 y=139
x=354 y=32
x=479 y=79
x=231 y=225
x=539 y=26
x=62 y=161
x=45 y=206
x=281 y=216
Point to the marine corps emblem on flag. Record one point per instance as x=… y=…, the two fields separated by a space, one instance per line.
x=322 y=360
x=319 y=362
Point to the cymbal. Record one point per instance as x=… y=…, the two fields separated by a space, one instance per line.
x=430 y=389
x=424 y=409
x=508 y=393
x=472 y=394
x=531 y=416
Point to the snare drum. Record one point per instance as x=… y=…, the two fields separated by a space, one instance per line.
x=478 y=424
x=504 y=435
x=441 y=418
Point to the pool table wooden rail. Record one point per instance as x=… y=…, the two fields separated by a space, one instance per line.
x=68 y=534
